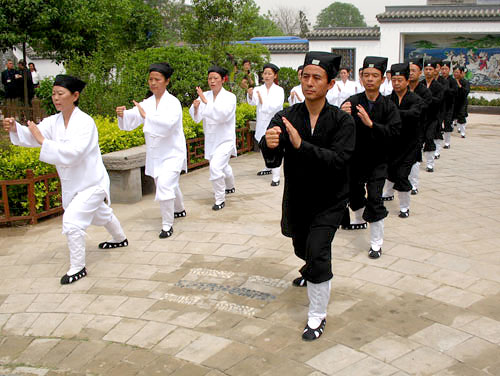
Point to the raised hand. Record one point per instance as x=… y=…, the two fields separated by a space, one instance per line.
x=294 y=136
x=346 y=107
x=141 y=110
x=199 y=91
x=36 y=132
x=120 y=110
x=9 y=125
x=363 y=115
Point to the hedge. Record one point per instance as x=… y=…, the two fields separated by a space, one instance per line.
x=483 y=102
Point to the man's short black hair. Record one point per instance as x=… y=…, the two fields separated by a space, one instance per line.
x=246 y=61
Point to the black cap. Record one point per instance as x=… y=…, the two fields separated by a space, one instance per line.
x=272 y=66
x=69 y=82
x=401 y=69
x=326 y=60
x=163 y=68
x=376 y=62
x=437 y=60
x=431 y=62
x=418 y=61
x=447 y=63
x=461 y=68
x=221 y=71
x=301 y=67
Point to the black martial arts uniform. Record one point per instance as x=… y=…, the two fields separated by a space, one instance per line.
x=316 y=182
x=404 y=147
x=461 y=102
x=369 y=162
x=433 y=115
x=450 y=94
x=426 y=96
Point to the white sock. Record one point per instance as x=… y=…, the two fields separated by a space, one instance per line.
x=276 y=174
x=319 y=296
x=388 y=188
x=404 y=201
x=377 y=235
x=76 y=245
x=358 y=217
x=415 y=171
x=429 y=157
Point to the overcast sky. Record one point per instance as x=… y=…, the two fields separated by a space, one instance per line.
x=369 y=8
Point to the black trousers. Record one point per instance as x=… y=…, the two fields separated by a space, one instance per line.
x=430 y=132
x=314 y=246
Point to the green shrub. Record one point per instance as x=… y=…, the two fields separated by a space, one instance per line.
x=44 y=93
x=112 y=138
x=482 y=101
x=288 y=79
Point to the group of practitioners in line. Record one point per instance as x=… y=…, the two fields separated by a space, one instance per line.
x=340 y=143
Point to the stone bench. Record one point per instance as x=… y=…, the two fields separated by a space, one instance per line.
x=126 y=173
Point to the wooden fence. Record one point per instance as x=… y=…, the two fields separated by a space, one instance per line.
x=33 y=215
x=23 y=113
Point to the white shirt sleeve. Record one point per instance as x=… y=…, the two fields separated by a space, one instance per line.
x=131 y=119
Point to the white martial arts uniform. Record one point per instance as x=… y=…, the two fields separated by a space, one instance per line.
x=165 y=149
x=219 y=127
x=272 y=102
x=386 y=87
x=359 y=88
x=332 y=96
x=74 y=150
x=298 y=92
x=344 y=91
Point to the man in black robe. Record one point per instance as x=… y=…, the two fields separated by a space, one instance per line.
x=438 y=138
x=433 y=113
x=419 y=88
x=316 y=141
x=377 y=123
x=9 y=76
x=461 y=101
x=451 y=89
x=404 y=147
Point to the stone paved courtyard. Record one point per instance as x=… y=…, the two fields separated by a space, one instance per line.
x=216 y=298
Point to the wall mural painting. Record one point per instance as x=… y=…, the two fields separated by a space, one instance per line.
x=481 y=56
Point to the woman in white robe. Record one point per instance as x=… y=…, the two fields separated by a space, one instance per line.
x=344 y=87
x=217 y=109
x=161 y=115
x=296 y=94
x=69 y=140
x=269 y=100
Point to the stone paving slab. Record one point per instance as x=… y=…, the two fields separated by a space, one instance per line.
x=216 y=298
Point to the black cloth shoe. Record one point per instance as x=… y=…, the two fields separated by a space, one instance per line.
x=218 y=206
x=388 y=198
x=414 y=191
x=107 y=245
x=429 y=169
x=403 y=214
x=67 y=279
x=358 y=226
x=299 y=282
x=311 y=334
x=264 y=172
x=437 y=156
x=463 y=136
x=275 y=183
x=374 y=254
x=180 y=214
x=446 y=146
x=166 y=234
x=232 y=190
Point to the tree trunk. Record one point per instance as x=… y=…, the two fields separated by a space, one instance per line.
x=25 y=76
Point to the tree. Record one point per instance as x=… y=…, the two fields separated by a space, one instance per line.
x=340 y=14
x=213 y=24
x=171 y=11
x=304 y=24
x=287 y=19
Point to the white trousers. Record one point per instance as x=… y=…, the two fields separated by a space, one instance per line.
x=319 y=296
x=87 y=208
x=414 y=173
x=429 y=158
x=438 y=147
x=376 y=235
x=447 y=138
x=169 y=194
x=221 y=175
